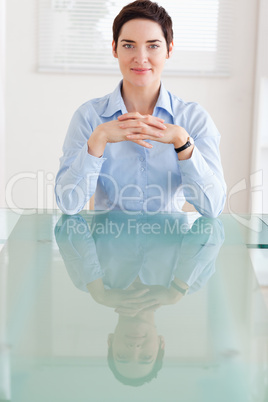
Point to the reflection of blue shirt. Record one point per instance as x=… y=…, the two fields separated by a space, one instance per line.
x=130 y=177
x=118 y=248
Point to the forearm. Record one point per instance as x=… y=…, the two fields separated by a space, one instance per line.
x=79 y=170
x=97 y=291
x=97 y=142
x=203 y=186
x=76 y=181
x=178 y=289
x=180 y=137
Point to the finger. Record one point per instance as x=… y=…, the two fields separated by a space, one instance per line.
x=143 y=144
x=134 y=304
x=140 y=124
x=137 y=115
x=126 y=313
x=147 y=305
x=132 y=115
x=137 y=293
x=132 y=312
x=153 y=121
x=144 y=134
x=144 y=129
x=143 y=137
x=152 y=308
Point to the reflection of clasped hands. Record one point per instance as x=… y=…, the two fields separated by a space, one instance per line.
x=136 y=298
x=137 y=128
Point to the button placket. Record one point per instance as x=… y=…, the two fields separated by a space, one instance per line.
x=142 y=176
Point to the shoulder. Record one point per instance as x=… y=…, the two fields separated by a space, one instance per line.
x=87 y=116
x=95 y=105
x=189 y=108
x=192 y=116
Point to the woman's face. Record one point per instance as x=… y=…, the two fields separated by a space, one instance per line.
x=141 y=52
x=135 y=346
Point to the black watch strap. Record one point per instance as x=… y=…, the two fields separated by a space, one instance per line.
x=178 y=288
x=183 y=147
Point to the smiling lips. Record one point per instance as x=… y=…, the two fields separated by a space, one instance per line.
x=135 y=336
x=141 y=70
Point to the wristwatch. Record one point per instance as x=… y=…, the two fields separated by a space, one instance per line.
x=179 y=288
x=190 y=141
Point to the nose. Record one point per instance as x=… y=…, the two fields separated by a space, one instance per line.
x=134 y=344
x=141 y=56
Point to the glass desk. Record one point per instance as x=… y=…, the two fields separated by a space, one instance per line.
x=114 y=307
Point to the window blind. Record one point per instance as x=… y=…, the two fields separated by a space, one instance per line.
x=76 y=36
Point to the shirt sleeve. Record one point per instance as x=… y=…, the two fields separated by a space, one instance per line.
x=202 y=175
x=199 y=251
x=77 y=177
x=78 y=250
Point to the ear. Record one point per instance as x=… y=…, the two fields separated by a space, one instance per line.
x=162 y=342
x=170 y=48
x=110 y=339
x=114 y=51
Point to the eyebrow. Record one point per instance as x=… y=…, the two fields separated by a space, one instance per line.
x=148 y=41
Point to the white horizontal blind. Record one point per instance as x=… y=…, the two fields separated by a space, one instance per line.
x=76 y=36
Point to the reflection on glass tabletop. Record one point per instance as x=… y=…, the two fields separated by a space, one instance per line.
x=107 y=306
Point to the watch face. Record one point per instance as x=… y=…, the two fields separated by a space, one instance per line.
x=191 y=140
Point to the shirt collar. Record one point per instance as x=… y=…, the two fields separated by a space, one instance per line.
x=164 y=100
x=116 y=102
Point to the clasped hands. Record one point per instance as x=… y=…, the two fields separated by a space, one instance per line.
x=130 y=302
x=138 y=128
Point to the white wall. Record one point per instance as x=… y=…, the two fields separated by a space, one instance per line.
x=2 y=99
x=39 y=106
x=260 y=127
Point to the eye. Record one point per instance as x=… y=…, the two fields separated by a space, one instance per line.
x=128 y=46
x=147 y=357
x=154 y=46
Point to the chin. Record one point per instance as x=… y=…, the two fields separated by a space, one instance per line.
x=142 y=82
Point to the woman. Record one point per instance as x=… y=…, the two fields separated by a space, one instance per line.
x=141 y=148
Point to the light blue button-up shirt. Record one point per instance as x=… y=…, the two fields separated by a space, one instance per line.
x=156 y=248
x=132 y=178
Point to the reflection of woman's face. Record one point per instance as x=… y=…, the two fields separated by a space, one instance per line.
x=141 y=52
x=135 y=346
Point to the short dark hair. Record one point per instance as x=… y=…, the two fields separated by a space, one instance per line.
x=136 y=382
x=145 y=9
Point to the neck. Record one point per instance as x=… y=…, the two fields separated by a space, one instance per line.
x=140 y=99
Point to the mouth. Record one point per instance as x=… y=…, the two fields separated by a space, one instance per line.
x=133 y=337
x=141 y=70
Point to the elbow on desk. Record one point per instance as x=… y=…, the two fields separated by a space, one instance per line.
x=68 y=204
x=68 y=210
x=213 y=209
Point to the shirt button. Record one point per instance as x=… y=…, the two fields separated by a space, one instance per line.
x=142 y=169
x=141 y=158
